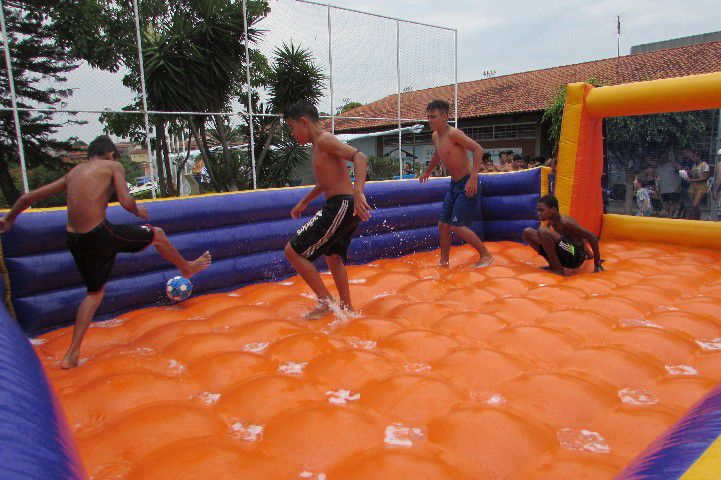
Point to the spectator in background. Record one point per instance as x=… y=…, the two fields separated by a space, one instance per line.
x=643 y=199
x=506 y=164
x=715 y=185
x=551 y=163
x=649 y=174
x=537 y=161
x=519 y=163
x=502 y=158
x=487 y=163
x=407 y=168
x=669 y=184
x=698 y=188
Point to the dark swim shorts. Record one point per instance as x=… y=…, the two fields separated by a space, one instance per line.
x=94 y=252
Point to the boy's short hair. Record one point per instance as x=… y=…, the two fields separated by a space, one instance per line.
x=302 y=108
x=517 y=157
x=486 y=156
x=440 y=105
x=102 y=145
x=549 y=200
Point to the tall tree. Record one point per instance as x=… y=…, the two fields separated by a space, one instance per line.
x=194 y=59
x=39 y=63
x=293 y=77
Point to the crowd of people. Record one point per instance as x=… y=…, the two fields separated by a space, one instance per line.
x=678 y=187
x=511 y=162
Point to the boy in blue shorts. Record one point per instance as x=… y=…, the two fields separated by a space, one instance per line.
x=459 y=205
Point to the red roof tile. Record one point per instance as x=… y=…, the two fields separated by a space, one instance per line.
x=533 y=91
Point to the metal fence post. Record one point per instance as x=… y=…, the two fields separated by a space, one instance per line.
x=330 y=76
x=13 y=99
x=144 y=98
x=455 y=68
x=398 y=78
x=250 y=101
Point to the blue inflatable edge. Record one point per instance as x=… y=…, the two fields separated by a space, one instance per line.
x=35 y=442
x=674 y=452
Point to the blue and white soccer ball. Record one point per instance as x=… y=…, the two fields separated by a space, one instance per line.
x=178 y=289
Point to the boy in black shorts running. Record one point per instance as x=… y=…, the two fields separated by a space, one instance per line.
x=92 y=240
x=563 y=242
x=329 y=231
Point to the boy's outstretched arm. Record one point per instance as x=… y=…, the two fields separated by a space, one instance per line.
x=27 y=199
x=431 y=166
x=124 y=198
x=343 y=151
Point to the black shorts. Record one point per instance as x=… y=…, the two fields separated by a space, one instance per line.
x=94 y=252
x=329 y=231
x=571 y=255
x=673 y=197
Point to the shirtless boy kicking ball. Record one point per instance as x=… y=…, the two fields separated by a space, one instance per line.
x=329 y=231
x=93 y=241
x=563 y=242
x=459 y=206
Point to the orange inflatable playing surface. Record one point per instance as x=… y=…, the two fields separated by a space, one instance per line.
x=506 y=372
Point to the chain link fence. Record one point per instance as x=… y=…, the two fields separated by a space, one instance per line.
x=663 y=165
x=188 y=125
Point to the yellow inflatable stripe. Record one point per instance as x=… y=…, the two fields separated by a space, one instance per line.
x=545 y=183
x=694 y=92
x=692 y=233
x=707 y=466
x=568 y=146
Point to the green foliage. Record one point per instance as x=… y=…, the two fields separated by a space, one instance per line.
x=285 y=157
x=294 y=77
x=44 y=174
x=553 y=115
x=382 y=168
x=133 y=170
x=348 y=106
x=39 y=65
x=625 y=135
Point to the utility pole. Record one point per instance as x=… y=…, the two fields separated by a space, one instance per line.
x=618 y=35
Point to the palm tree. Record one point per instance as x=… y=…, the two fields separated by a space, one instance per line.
x=195 y=61
x=294 y=77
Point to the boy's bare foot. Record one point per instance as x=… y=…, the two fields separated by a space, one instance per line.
x=484 y=261
x=197 y=265
x=320 y=310
x=548 y=268
x=69 y=361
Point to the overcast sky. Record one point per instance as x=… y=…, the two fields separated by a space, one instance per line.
x=505 y=36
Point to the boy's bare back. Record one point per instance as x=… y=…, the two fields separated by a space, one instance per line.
x=89 y=186
x=331 y=172
x=569 y=228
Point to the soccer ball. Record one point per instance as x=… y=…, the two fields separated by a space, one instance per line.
x=683 y=174
x=178 y=289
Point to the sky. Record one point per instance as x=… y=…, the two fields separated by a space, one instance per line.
x=504 y=37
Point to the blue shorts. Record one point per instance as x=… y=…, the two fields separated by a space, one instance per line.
x=458 y=208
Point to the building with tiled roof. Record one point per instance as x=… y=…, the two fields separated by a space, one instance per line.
x=504 y=112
